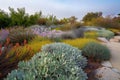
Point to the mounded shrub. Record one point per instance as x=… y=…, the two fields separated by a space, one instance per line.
x=47 y=66
x=96 y=51
x=67 y=50
x=105 y=33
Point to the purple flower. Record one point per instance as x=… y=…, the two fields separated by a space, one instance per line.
x=4 y=34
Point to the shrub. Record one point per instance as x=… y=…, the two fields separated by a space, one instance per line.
x=52 y=34
x=80 y=42
x=105 y=33
x=68 y=35
x=73 y=53
x=37 y=43
x=115 y=31
x=42 y=21
x=91 y=34
x=96 y=51
x=65 y=27
x=18 y=35
x=44 y=66
x=11 y=56
x=3 y=35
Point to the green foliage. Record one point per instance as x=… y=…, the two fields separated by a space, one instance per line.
x=47 y=66
x=21 y=18
x=107 y=22
x=96 y=51
x=91 y=15
x=105 y=33
x=42 y=21
x=18 y=18
x=18 y=35
x=70 y=52
x=4 y=19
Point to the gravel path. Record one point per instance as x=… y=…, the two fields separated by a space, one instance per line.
x=115 y=51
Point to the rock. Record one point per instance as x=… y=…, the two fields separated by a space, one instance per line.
x=114 y=40
x=102 y=39
x=117 y=37
x=116 y=70
x=107 y=64
x=105 y=73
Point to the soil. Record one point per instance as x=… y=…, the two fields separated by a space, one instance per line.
x=91 y=67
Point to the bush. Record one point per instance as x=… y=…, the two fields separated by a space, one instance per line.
x=68 y=35
x=91 y=34
x=73 y=53
x=42 y=21
x=115 y=31
x=37 y=43
x=105 y=33
x=18 y=35
x=10 y=57
x=96 y=51
x=80 y=42
x=47 y=66
x=65 y=27
x=3 y=35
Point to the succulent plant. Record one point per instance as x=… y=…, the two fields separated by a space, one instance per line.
x=72 y=53
x=47 y=66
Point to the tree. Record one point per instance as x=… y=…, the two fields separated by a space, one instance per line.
x=72 y=19
x=4 y=19
x=89 y=16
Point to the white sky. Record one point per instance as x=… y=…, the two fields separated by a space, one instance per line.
x=64 y=8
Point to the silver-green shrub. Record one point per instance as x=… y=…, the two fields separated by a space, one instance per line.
x=67 y=50
x=105 y=33
x=47 y=66
x=96 y=51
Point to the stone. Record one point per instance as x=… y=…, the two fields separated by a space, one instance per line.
x=117 y=37
x=102 y=39
x=107 y=64
x=114 y=40
x=116 y=70
x=106 y=73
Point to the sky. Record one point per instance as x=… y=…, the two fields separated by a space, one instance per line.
x=64 y=8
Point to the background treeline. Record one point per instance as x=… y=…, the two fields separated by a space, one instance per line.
x=96 y=19
x=19 y=17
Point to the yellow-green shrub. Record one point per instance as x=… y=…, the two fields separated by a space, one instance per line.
x=64 y=27
x=68 y=26
x=20 y=53
x=91 y=34
x=114 y=30
x=80 y=42
x=37 y=43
